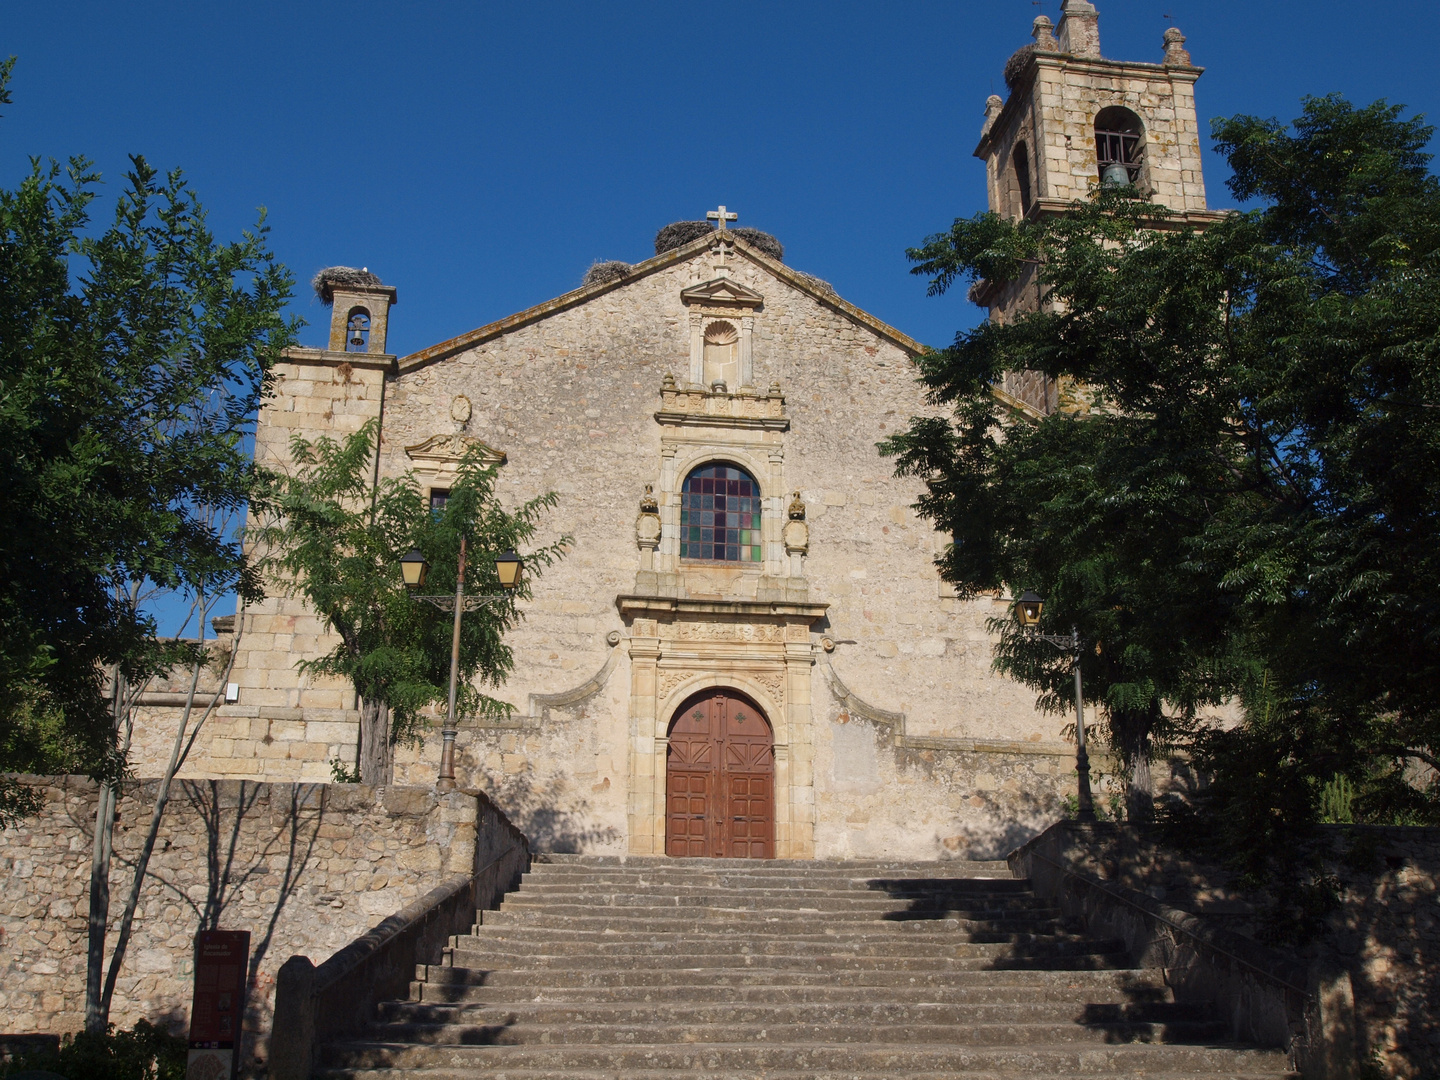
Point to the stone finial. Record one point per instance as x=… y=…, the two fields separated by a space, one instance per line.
x=1175 y=52
x=1044 y=35
x=775 y=389
x=648 y=529
x=797 y=508
x=668 y=382
x=993 y=104
x=1079 y=28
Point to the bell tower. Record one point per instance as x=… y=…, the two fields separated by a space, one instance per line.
x=1073 y=121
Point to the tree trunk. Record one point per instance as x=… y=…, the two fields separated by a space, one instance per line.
x=375 y=763
x=95 y=1016
x=1140 y=799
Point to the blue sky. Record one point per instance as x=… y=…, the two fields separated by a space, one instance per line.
x=480 y=156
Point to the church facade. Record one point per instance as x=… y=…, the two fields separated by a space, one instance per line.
x=747 y=650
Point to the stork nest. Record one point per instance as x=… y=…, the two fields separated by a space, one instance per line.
x=679 y=233
x=764 y=241
x=602 y=273
x=1016 y=65
x=817 y=283
x=326 y=280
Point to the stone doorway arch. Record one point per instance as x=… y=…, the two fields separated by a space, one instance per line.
x=720 y=778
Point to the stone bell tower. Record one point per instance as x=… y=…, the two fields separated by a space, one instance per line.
x=1075 y=120
x=318 y=392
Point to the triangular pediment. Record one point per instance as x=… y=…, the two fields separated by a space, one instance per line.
x=698 y=248
x=449 y=449
x=722 y=291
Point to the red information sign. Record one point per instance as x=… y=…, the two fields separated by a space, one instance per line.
x=222 y=958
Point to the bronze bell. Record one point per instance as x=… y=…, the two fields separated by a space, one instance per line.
x=1115 y=175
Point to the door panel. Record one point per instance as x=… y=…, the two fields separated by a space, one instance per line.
x=720 y=779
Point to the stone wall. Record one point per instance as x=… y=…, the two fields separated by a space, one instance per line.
x=304 y=868
x=1385 y=931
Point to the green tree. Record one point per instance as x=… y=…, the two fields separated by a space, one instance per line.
x=132 y=362
x=339 y=540
x=1245 y=500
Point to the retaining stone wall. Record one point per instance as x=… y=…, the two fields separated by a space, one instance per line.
x=305 y=868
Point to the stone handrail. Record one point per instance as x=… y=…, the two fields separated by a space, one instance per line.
x=1266 y=997
x=315 y=1005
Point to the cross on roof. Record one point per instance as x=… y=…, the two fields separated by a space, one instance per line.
x=722 y=216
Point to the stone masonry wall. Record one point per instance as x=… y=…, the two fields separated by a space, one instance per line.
x=1384 y=929
x=305 y=868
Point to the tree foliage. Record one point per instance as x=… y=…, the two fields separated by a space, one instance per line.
x=1241 y=499
x=339 y=541
x=132 y=360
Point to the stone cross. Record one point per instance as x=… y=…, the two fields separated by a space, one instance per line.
x=721 y=216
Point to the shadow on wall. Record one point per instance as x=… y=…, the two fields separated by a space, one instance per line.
x=240 y=870
x=536 y=811
x=1020 y=818
x=291 y=842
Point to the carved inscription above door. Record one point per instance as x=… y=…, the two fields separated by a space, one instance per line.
x=720 y=779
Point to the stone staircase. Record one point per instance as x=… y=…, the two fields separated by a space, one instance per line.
x=641 y=967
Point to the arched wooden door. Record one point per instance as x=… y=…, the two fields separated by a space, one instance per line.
x=720 y=779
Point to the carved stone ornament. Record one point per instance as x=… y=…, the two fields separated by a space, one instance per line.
x=796 y=535
x=460 y=409
x=722 y=292
x=449 y=449
x=647 y=525
x=797 y=508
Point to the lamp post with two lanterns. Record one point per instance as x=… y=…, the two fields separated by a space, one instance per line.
x=413 y=567
x=1027 y=610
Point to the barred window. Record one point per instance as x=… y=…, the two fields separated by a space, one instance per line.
x=720 y=515
x=1119 y=141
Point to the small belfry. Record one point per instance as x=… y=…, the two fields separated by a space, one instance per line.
x=1075 y=121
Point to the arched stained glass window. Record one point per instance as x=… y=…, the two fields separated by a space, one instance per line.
x=720 y=515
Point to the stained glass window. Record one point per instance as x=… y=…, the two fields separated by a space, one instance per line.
x=720 y=515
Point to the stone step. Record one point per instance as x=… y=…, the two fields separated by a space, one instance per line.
x=554 y=860
x=687 y=896
x=496 y=949
x=561 y=915
x=445 y=1073
x=857 y=887
x=762 y=874
x=859 y=1012
x=519 y=1033
x=737 y=900
x=766 y=991
x=936 y=930
x=1105 y=1059
x=729 y=983
x=470 y=950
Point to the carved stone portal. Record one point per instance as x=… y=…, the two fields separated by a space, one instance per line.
x=679 y=648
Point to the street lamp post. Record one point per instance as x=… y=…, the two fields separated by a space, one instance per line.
x=414 y=569
x=1028 y=609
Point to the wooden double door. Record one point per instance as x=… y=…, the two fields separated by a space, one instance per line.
x=720 y=779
